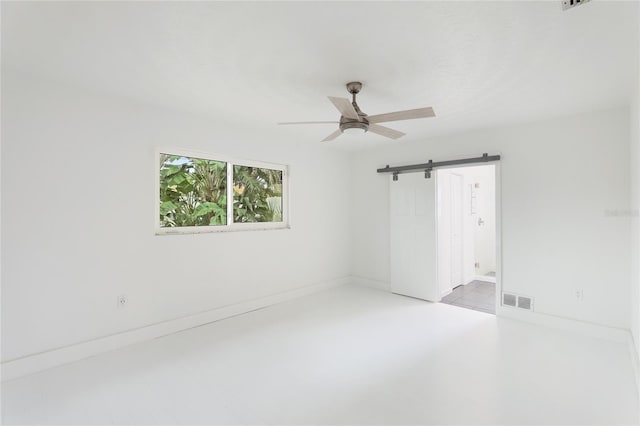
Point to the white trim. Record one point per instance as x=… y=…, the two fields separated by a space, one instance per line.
x=504 y=312
x=484 y=278
x=230 y=226
x=30 y=364
x=597 y=331
x=370 y=283
x=448 y=292
x=470 y=281
x=613 y=334
x=229 y=193
x=498 y=201
x=635 y=361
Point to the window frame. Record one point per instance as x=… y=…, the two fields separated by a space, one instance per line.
x=231 y=226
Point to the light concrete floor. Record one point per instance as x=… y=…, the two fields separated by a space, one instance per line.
x=346 y=356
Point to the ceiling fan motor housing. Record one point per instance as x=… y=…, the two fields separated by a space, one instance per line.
x=349 y=123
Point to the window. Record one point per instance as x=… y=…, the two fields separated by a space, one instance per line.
x=203 y=193
x=193 y=191
x=257 y=194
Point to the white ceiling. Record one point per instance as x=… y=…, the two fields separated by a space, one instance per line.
x=479 y=64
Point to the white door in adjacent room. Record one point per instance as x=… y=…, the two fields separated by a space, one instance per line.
x=457 y=230
x=413 y=236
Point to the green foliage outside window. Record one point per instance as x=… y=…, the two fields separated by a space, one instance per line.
x=257 y=194
x=193 y=192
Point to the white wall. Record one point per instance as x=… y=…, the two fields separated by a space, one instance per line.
x=560 y=181
x=77 y=216
x=78 y=219
x=635 y=209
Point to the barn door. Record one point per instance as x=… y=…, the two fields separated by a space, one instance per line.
x=413 y=236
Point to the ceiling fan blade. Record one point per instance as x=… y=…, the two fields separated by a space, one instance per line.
x=309 y=122
x=345 y=107
x=332 y=136
x=409 y=114
x=385 y=131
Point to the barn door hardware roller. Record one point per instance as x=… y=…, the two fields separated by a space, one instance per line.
x=428 y=170
x=429 y=166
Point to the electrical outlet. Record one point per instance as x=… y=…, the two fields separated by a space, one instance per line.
x=580 y=295
x=122 y=300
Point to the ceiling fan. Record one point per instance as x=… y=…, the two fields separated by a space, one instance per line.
x=353 y=120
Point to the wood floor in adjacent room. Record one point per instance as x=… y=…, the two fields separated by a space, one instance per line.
x=345 y=356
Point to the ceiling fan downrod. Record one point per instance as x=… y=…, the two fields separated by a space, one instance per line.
x=354 y=88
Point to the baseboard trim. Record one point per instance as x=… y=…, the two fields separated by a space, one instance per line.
x=30 y=364
x=485 y=278
x=598 y=331
x=371 y=283
x=635 y=361
x=613 y=334
x=585 y=328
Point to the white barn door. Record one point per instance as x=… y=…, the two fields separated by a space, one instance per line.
x=413 y=236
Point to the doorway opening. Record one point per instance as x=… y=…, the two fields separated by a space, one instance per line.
x=466 y=237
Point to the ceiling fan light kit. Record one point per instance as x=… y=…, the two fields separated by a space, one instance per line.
x=353 y=130
x=353 y=120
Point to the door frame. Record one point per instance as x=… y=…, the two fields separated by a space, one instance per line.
x=498 y=232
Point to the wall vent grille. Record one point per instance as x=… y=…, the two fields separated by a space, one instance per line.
x=568 y=4
x=524 y=302
x=509 y=299
x=516 y=301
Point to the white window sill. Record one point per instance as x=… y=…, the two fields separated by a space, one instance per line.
x=238 y=227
